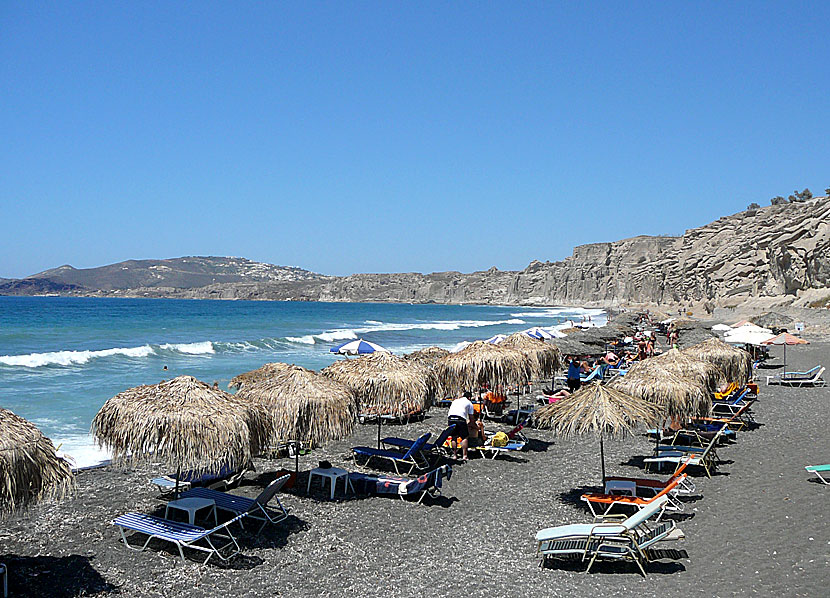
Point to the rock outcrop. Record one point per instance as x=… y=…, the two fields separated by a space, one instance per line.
x=777 y=251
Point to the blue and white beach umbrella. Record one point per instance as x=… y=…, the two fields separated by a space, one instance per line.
x=542 y=333
x=495 y=340
x=357 y=347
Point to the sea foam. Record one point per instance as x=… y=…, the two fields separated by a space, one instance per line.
x=341 y=334
x=35 y=360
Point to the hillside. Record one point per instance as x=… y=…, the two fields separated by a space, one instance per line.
x=781 y=253
x=177 y=273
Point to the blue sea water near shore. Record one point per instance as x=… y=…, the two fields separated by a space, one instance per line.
x=61 y=358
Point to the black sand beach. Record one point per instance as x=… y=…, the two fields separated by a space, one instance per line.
x=758 y=526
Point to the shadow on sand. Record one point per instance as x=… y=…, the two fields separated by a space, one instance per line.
x=60 y=577
x=655 y=564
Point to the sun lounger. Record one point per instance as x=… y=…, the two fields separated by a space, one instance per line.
x=429 y=484
x=737 y=421
x=256 y=508
x=224 y=478
x=413 y=459
x=183 y=535
x=794 y=378
x=818 y=470
x=627 y=540
x=650 y=487
x=516 y=441
x=429 y=447
x=704 y=459
x=601 y=505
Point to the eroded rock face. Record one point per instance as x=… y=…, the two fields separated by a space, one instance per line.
x=774 y=251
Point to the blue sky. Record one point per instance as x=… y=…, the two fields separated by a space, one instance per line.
x=375 y=137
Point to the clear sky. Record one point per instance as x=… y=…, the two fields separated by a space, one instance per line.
x=397 y=136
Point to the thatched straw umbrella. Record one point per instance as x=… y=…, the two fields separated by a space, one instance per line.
x=428 y=356
x=678 y=397
x=269 y=370
x=29 y=468
x=544 y=359
x=708 y=375
x=597 y=409
x=735 y=363
x=183 y=423
x=303 y=406
x=480 y=364
x=385 y=384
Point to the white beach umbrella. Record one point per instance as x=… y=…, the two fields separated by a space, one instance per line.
x=357 y=347
x=749 y=327
x=739 y=336
x=721 y=327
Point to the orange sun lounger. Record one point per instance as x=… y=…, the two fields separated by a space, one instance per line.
x=609 y=501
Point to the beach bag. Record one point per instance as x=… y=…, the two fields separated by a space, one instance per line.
x=500 y=439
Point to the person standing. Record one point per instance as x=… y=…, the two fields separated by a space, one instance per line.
x=461 y=416
x=574 y=372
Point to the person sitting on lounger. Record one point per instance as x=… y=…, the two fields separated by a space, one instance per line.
x=462 y=416
x=611 y=358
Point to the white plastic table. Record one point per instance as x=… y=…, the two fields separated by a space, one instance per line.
x=332 y=474
x=190 y=506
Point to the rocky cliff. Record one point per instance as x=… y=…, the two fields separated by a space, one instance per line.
x=778 y=251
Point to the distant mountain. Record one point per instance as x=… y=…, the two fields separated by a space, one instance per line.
x=779 y=253
x=171 y=274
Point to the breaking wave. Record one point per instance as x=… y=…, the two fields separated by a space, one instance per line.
x=375 y=326
x=69 y=358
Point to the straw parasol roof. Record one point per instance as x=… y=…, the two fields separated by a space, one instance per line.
x=481 y=363
x=184 y=423
x=29 y=468
x=303 y=405
x=772 y=319
x=384 y=383
x=598 y=409
x=428 y=356
x=544 y=358
x=268 y=370
x=677 y=396
x=708 y=375
x=735 y=363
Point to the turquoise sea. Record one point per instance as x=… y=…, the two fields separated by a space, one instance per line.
x=61 y=358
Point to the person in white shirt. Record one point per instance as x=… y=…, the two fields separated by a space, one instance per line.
x=462 y=417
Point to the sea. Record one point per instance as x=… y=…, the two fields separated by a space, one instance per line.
x=61 y=358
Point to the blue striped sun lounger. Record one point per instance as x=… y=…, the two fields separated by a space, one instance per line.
x=183 y=535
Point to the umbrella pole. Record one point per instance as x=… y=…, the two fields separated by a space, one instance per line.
x=297 y=457
x=178 y=475
x=602 y=455
x=785 y=358
x=380 y=422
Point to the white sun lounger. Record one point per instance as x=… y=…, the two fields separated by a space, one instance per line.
x=798 y=378
x=627 y=540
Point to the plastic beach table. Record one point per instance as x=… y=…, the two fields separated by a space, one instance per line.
x=191 y=506
x=332 y=474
